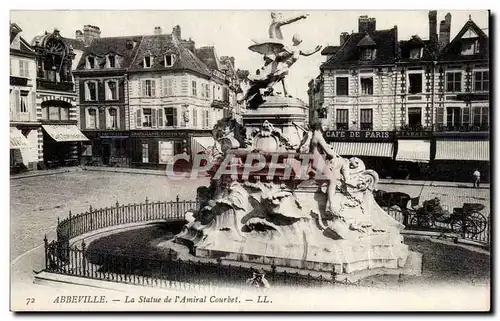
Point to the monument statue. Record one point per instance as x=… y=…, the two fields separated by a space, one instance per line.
x=297 y=205
x=278 y=59
x=278 y=22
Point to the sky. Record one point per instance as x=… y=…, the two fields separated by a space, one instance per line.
x=231 y=32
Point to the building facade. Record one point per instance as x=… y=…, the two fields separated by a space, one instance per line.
x=144 y=99
x=26 y=149
x=415 y=106
x=56 y=100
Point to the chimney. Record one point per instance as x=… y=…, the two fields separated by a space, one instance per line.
x=366 y=25
x=444 y=31
x=90 y=33
x=343 y=37
x=177 y=32
x=158 y=31
x=79 y=35
x=433 y=26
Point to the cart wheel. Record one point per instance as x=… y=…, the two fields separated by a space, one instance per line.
x=478 y=222
x=456 y=225
x=422 y=221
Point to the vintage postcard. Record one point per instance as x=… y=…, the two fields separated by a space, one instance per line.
x=250 y=160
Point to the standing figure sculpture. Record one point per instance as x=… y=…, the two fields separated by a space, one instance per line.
x=278 y=21
x=275 y=70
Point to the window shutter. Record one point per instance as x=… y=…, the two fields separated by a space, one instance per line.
x=160 y=117
x=32 y=104
x=87 y=118
x=87 y=91
x=106 y=90
x=153 y=88
x=165 y=86
x=175 y=116
x=17 y=99
x=153 y=118
x=143 y=87
x=195 y=117
x=440 y=115
x=138 y=118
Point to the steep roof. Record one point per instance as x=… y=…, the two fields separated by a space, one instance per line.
x=330 y=50
x=349 y=53
x=75 y=44
x=208 y=56
x=406 y=46
x=453 y=50
x=20 y=45
x=159 y=45
x=115 y=45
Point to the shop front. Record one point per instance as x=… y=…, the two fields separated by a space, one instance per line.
x=374 y=148
x=61 y=144
x=106 y=148
x=459 y=157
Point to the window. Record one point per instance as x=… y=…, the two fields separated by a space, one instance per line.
x=113 y=118
x=480 y=116
x=171 y=117
x=24 y=68
x=205 y=118
x=470 y=47
x=342 y=119
x=54 y=113
x=193 y=85
x=367 y=86
x=92 y=123
x=111 y=90
x=145 y=153
x=225 y=94
x=148 y=88
x=147 y=62
x=366 y=119
x=454 y=81
x=453 y=118
x=482 y=81
x=24 y=101
x=415 y=83
x=168 y=87
x=195 y=118
x=415 y=117
x=91 y=91
x=342 y=86
x=91 y=62
x=169 y=60
x=111 y=61
x=146 y=122
x=416 y=53
x=64 y=113
x=367 y=54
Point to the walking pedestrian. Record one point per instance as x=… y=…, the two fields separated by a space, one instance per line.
x=476 y=178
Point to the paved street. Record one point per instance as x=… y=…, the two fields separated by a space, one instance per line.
x=36 y=202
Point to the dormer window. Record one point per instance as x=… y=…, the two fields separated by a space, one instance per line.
x=111 y=61
x=416 y=53
x=91 y=62
x=367 y=54
x=169 y=60
x=470 y=47
x=148 y=61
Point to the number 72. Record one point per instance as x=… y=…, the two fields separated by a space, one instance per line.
x=30 y=300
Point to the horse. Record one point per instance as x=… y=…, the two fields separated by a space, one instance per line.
x=389 y=199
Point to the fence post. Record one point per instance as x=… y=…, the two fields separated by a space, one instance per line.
x=147 y=214
x=46 y=244
x=69 y=225
x=84 y=261
x=178 y=209
x=273 y=271
x=117 y=213
x=334 y=274
x=91 y=220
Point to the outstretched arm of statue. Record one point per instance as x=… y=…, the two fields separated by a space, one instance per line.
x=292 y=20
x=310 y=52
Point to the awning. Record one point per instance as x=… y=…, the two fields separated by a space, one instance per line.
x=17 y=139
x=65 y=133
x=363 y=149
x=455 y=149
x=200 y=144
x=418 y=151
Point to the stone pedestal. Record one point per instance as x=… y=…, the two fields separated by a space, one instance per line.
x=281 y=112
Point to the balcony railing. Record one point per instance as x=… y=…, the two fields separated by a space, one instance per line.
x=50 y=85
x=463 y=128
